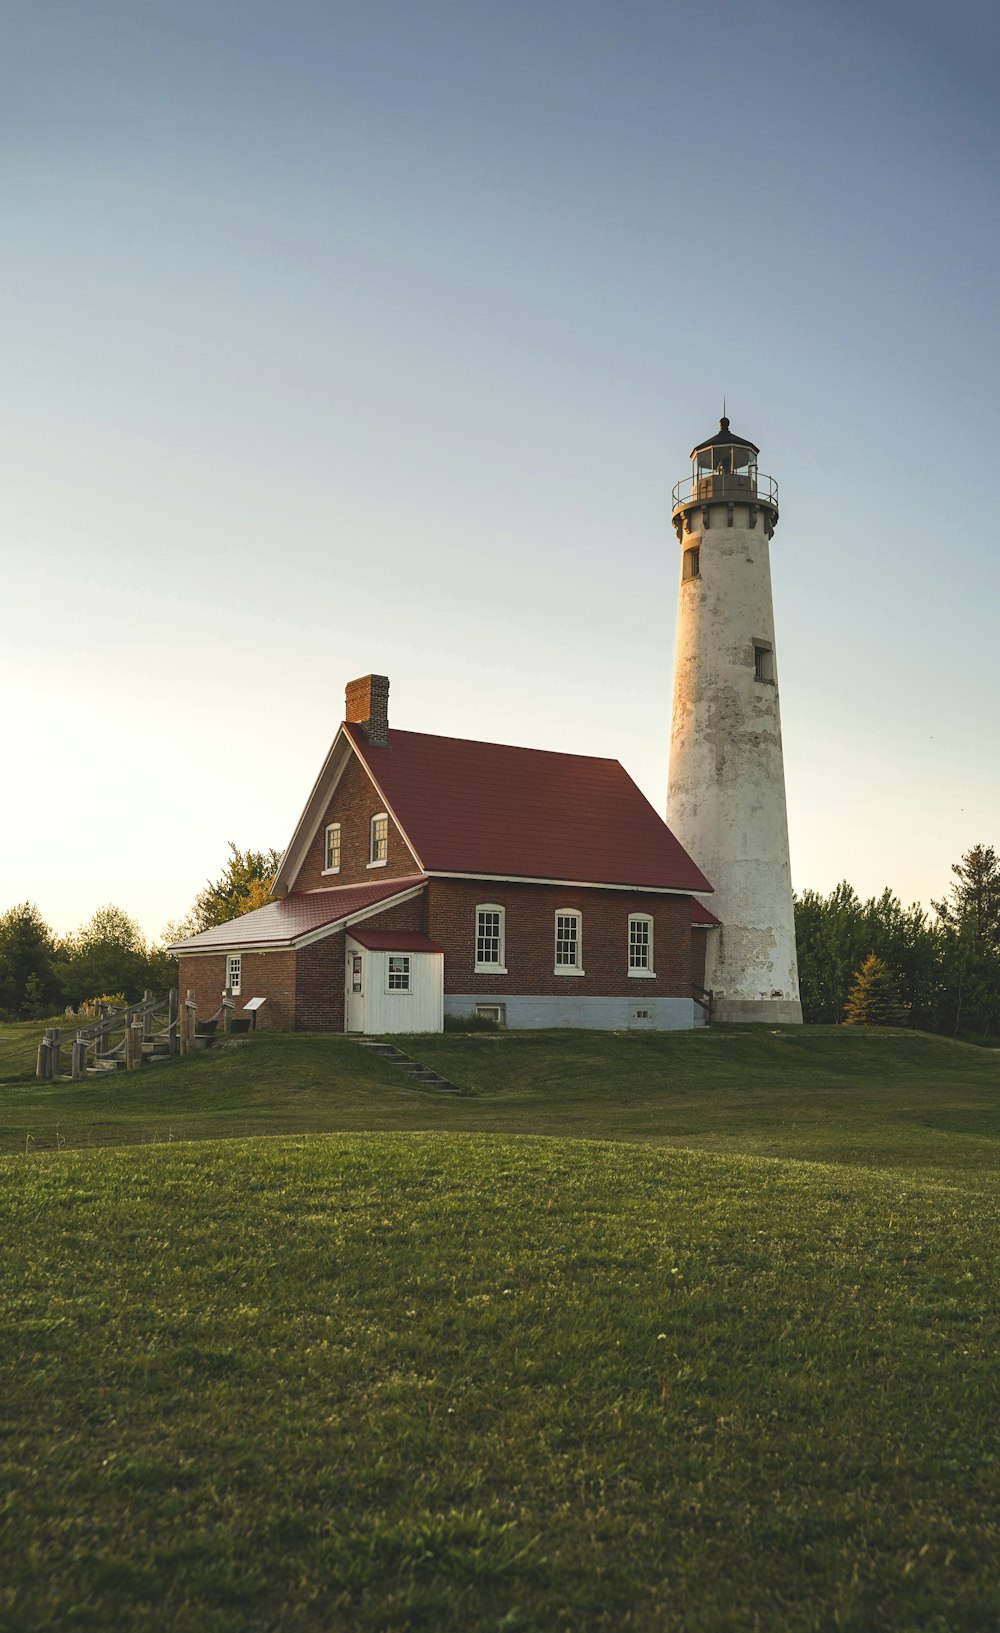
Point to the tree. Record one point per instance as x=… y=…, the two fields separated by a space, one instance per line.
x=29 y=985
x=970 y=922
x=107 y=954
x=874 y=998
x=242 y=886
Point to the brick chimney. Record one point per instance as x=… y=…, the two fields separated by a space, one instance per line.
x=366 y=704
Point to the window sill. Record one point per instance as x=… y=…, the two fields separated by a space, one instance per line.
x=642 y=975
x=490 y=969
x=378 y=864
x=327 y=871
x=564 y=969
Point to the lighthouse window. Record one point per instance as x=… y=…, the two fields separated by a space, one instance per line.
x=763 y=662
x=692 y=563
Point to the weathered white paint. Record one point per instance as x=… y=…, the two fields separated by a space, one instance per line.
x=726 y=797
x=376 y=1009
x=598 y=1014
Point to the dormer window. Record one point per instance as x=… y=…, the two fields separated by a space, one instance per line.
x=378 y=844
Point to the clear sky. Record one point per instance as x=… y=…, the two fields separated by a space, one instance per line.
x=343 y=337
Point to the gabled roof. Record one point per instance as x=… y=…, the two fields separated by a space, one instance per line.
x=487 y=808
x=296 y=919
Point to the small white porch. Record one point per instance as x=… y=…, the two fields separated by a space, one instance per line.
x=394 y=982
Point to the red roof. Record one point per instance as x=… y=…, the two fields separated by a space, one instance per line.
x=487 y=808
x=393 y=941
x=701 y=918
x=286 y=922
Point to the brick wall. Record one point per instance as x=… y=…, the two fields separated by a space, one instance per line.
x=530 y=939
x=353 y=805
x=262 y=975
x=320 y=992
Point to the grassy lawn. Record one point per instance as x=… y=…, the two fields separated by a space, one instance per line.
x=717 y=1353
x=831 y=1094
x=388 y=1382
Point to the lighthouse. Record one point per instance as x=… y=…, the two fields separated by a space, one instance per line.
x=726 y=794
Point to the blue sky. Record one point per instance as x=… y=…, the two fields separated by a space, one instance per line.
x=350 y=337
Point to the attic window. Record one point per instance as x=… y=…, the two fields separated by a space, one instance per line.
x=379 y=841
x=692 y=563
x=763 y=661
x=331 y=849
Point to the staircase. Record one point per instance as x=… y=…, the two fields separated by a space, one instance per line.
x=420 y=1076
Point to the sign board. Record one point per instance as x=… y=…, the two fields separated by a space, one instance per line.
x=253 y=1005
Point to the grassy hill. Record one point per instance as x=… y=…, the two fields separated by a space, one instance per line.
x=437 y=1372
x=853 y=1095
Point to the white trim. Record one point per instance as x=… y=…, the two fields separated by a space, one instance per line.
x=329 y=829
x=500 y=968
x=569 y=884
x=407 y=991
x=310 y=936
x=377 y=861
x=567 y=969
x=641 y=972
x=315 y=809
x=313 y=812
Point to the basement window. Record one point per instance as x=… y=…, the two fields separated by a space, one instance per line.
x=497 y=1013
x=763 y=661
x=692 y=563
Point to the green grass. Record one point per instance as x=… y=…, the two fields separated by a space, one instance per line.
x=395 y=1382
x=851 y=1095
x=717 y=1353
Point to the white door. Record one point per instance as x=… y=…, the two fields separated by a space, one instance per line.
x=354 y=1006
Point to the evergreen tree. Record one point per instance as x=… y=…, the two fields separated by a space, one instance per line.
x=874 y=998
x=28 y=982
x=970 y=924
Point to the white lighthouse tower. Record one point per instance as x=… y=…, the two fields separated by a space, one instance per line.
x=726 y=798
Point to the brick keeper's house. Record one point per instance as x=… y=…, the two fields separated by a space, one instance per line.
x=431 y=876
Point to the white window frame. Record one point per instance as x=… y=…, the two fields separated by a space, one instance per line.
x=641 y=972
x=328 y=866
x=234 y=964
x=399 y=958
x=375 y=861
x=568 y=969
x=496 y=966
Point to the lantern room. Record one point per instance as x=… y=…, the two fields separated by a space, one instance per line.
x=725 y=466
x=724 y=469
